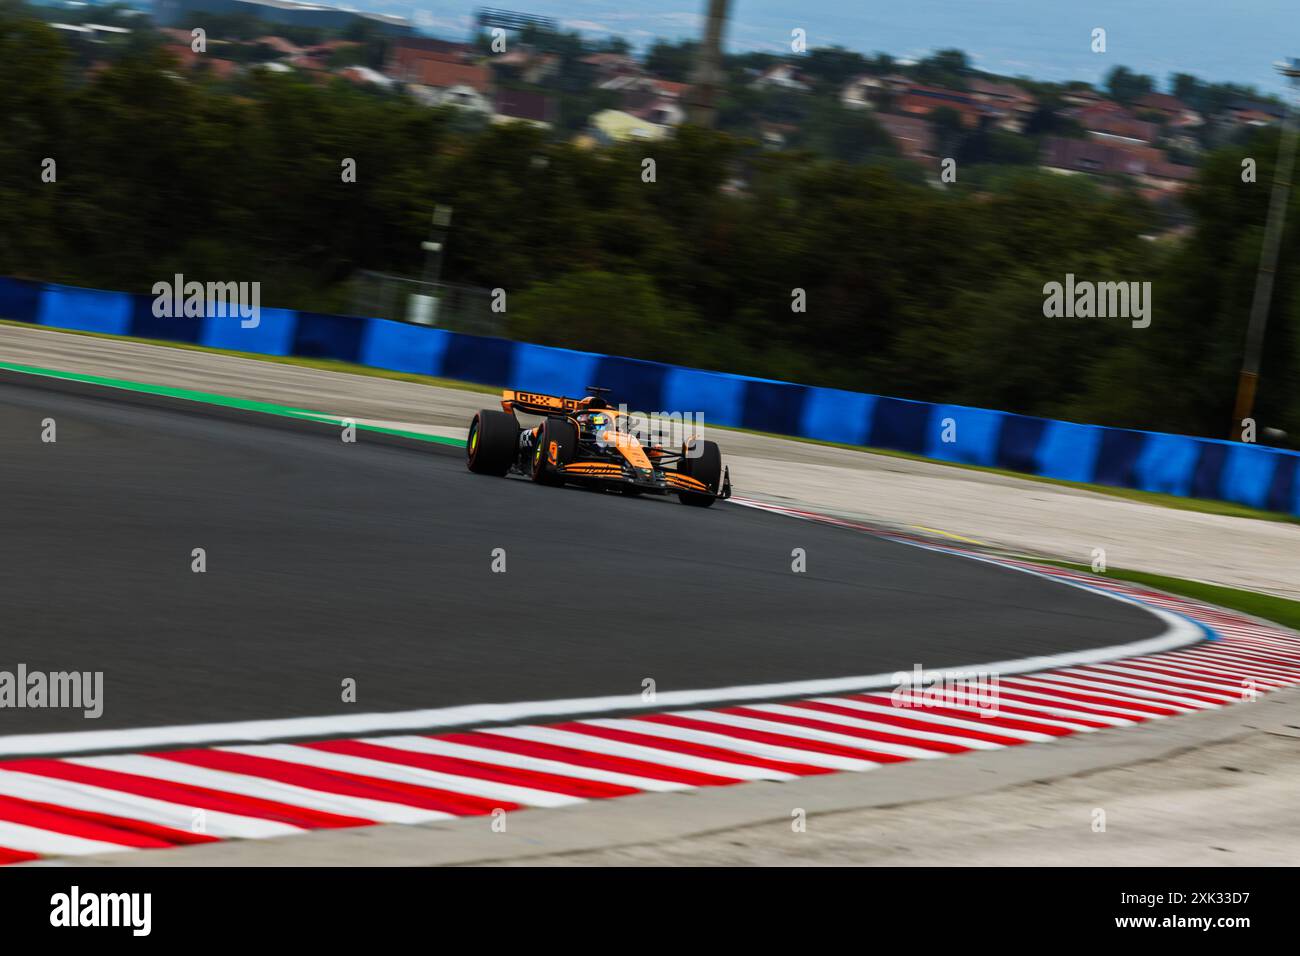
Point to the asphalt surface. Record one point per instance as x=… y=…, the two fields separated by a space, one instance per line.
x=328 y=561
x=1008 y=512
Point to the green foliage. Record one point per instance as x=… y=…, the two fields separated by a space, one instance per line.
x=1212 y=98
x=1125 y=86
x=672 y=61
x=1046 y=121
x=832 y=67
x=910 y=290
x=847 y=135
x=949 y=131
x=600 y=312
x=1190 y=362
x=998 y=147
x=949 y=68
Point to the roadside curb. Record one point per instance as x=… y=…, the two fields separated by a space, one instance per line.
x=656 y=818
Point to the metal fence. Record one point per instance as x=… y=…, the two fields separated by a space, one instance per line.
x=445 y=305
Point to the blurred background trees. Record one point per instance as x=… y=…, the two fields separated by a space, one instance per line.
x=911 y=290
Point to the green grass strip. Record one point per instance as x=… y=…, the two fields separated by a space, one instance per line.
x=226 y=401
x=1279 y=610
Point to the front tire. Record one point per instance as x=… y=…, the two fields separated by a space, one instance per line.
x=492 y=444
x=706 y=468
x=547 y=460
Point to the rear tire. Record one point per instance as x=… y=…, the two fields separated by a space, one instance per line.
x=492 y=444
x=707 y=468
x=564 y=435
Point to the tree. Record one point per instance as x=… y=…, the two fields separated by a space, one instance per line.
x=998 y=147
x=672 y=61
x=1186 y=87
x=948 y=68
x=832 y=67
x=949 y=131
x=575 y=309
x=851 y=136
x=1125 y=86
x=910 y=291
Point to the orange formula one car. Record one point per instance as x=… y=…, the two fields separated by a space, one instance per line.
x=586 y=441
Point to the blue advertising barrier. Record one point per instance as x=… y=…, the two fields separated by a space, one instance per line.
x=1253 y=475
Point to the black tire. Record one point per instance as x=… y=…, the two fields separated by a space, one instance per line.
x=564 y=434
x=492 y=444
x=707 y=468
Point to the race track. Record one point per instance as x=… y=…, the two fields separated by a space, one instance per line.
x=328 y=561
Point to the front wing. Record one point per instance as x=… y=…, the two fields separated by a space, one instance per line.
x=662 y=479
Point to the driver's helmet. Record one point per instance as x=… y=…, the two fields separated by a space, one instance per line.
x=595 y=423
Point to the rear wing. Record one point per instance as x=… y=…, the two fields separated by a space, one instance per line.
x=534 y=403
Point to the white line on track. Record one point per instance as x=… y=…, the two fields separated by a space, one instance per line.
x=1179 y=631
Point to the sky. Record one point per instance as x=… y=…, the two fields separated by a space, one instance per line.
x=1219 y=40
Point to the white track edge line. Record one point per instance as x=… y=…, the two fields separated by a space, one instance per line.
x=1180 y=631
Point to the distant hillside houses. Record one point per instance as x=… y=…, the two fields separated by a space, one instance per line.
x=1107 y=120
x=1173 y=111
x=601 y=91
x=180 y=13
x=1247 y=113
x=616 y=126
x=1004 y=105
x=444 y=73
x=1149 y=167
x=914 y=137
x=783 y=76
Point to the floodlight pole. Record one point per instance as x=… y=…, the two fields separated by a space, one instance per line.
x=702 y=98
x=1248 y=380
